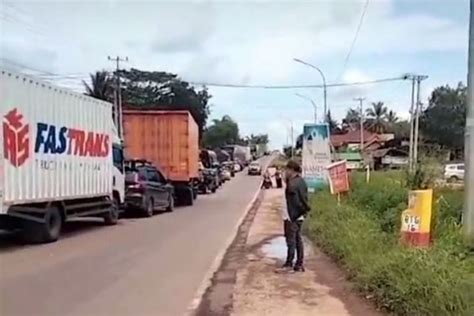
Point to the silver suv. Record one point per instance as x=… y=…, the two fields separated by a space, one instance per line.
x=454 y=172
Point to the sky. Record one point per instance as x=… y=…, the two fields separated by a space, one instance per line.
x=250 y=43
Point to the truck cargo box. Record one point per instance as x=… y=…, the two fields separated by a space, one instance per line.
x=169 y=139
x=57 y=144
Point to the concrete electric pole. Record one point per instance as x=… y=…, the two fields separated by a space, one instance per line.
x=361 y=107
x=415 y=111
x=417 y=119
x=468 y=219
x=118 y=94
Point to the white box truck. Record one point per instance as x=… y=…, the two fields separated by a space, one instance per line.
x=61 y=158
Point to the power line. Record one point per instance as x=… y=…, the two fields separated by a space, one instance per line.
x=241 y=86
x=361 y=21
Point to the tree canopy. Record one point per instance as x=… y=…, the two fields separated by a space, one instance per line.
x=163 y=90
x=224 y=131
x=376 y=117
x=444 y=119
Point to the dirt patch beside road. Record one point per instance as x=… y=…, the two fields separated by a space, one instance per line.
x=246 y=283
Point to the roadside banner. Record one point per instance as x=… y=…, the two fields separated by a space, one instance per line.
x=338 y=177
x=316 y=155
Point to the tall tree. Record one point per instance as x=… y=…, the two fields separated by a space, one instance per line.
x=333 y=126
x=224 y=131
x=391 y=117
x=352 y=116
x=444 y=120
x=162 y=90
x=101 y=86
x=376 y=117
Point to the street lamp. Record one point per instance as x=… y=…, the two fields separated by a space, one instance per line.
x=324 y=82
x=315 y=107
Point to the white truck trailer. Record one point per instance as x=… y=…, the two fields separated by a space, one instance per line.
x=62 y=158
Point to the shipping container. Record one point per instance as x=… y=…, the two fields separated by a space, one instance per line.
x=58 y=157
x=170 y=140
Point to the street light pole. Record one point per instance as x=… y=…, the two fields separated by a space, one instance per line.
x=315 y=107
x=324 y=83
x=468 y=219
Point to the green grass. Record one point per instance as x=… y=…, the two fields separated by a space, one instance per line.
x=363 y=232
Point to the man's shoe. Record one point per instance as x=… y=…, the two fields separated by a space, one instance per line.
x=299 y=269
x=284 y=269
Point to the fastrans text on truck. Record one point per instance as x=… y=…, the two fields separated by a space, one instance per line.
x=62 y=158
x=170 y=140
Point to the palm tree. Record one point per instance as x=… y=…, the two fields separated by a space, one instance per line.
x=376 y=117
x=100 y=87
x=352 y=116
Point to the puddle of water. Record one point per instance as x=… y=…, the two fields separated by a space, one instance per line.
x=275 y=248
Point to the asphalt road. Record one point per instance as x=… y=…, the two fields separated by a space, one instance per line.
x=149 y=266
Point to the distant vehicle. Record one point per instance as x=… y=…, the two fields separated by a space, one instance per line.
x=170 y=140
x=147 y=189
x=454 y=172
x=62 y=158
x=229 y=165
x=254 y=169
x=237 y=167
x=226 y=175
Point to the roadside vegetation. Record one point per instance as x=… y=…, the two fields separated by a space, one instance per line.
x=362 y=233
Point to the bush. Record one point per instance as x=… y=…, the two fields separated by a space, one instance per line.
x=405 y=281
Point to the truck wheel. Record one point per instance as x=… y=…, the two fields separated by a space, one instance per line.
x=112 y=216
x=214 y=188
x=188 y=197
x=48 y=231
x=149 y=208
x=170 y=207
x=195 y=194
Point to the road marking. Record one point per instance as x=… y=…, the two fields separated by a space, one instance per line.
x=220 y=256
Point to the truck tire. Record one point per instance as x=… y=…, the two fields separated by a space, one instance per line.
x=195 y=193
x=188 y=197
x=49 y=231
x=112 y=216
x=149 y=208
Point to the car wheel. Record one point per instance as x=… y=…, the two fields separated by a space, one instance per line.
x=170 y=207
x=453 y=179
x=112 y=216
x=149 y=208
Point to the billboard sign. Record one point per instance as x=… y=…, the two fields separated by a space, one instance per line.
x=316 y=155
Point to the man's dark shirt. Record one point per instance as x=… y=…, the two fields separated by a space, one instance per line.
x=296 y=194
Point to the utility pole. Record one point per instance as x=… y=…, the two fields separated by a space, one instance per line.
x=417 y=119
x=118 y=94
x=412 y=127
x=468 y=219
x=361 y=107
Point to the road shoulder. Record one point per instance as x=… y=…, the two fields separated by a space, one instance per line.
x=247 y=285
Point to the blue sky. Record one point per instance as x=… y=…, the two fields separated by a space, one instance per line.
x=251 y=42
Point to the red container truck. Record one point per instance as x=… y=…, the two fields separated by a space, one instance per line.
x=170 y=140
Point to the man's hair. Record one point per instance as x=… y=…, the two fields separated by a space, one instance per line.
x=293 y=165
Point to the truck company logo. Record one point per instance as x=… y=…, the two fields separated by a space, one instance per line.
x=50 y=139
x=16 y=141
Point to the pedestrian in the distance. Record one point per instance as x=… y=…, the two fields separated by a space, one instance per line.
x=297 y=208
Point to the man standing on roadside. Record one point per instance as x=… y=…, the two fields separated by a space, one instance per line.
x=297 y=207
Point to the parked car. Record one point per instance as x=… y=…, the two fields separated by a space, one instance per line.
x=226 y=175
x=237 y=167
x=254 y=169
x=230 y=167
x=454 y=172
x=146 y=189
